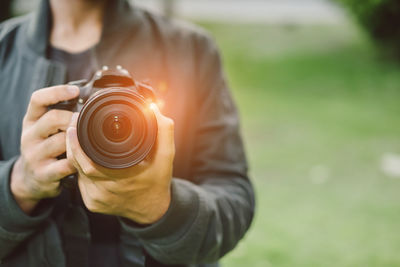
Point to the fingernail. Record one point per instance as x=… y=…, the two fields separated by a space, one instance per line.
x=70 y=132
x=74 y=90
x=75 y=115
x=74 y=118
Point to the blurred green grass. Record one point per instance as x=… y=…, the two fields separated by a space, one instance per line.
x=319 y=108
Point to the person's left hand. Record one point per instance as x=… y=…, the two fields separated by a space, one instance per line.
x=141 y=193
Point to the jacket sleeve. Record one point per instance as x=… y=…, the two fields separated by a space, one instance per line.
x=211 y=213
x=15 y=225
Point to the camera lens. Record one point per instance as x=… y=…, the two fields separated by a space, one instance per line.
x=116 y=129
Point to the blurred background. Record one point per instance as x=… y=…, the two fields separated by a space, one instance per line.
x=317 y=83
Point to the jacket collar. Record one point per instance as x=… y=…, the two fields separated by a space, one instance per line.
x=116 y=19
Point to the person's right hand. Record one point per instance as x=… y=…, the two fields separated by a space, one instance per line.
x=37 y=172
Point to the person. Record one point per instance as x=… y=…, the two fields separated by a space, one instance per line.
x=187 y=205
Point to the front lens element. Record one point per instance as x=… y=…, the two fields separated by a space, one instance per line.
x=116 y=129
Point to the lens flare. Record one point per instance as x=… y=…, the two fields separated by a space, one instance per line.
x=153 y=106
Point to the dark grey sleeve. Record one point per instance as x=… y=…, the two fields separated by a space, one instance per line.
x=15 y=225
x=211 y=213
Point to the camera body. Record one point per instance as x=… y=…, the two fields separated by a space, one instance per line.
x=116 y=127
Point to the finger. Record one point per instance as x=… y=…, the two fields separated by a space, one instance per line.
x=52 y=147
x=165 y=150
x=79 y=158
x=70 y=147
x=52 y=122
x=43 y=98
x=74 y=119
x=70 y=155
x=60 y=169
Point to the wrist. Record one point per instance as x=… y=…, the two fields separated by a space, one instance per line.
x=18 y=190
x=153 y=212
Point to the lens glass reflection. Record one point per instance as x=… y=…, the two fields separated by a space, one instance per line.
x=117 y=127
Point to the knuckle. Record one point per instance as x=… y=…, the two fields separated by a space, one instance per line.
x=50 y=144
x=55 y=122
x=35 y=97
x=58 y=118
x=57 y=141
x=52 y=115
x=66 y=169
x=96 y=198
x=28 y=156
x=57 y=171
x=61 y=137
x=37 y=174
x=25 y=136
x=25 y=121
x=62 y=117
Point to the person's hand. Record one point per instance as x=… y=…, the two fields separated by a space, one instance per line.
x=140 y=193
x=37 y=172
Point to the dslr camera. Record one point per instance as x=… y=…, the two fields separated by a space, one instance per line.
x=116 y=127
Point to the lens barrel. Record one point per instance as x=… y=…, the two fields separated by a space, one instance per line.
x=116 y=128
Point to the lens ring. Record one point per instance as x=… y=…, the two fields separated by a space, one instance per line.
x=102 y=144
x=117 y=154
x=117 y=127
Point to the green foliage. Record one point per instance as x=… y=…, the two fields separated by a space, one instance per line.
x=318 y=110
x=381 y=19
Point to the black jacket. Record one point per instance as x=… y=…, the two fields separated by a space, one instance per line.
x=212 y=198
